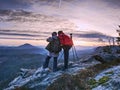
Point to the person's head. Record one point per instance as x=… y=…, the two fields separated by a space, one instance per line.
x=54 y=34
x=60 y=32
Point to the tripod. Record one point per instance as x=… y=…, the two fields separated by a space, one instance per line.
x=75 y=56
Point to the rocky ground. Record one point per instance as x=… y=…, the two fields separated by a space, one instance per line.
x=95 y=72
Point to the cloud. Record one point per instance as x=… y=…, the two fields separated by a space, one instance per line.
x=99 y=15
x=113 y=3
x=91 y=38
x=8 y=4
x=15 y=38
x=17 y=34
x=91 y=34
x=23 y=35
x=102 y=15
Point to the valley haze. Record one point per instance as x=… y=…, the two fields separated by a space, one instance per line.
x=13 y=58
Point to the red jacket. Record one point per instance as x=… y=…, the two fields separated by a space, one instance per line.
x=65 y=39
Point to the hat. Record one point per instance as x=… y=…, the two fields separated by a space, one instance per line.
x=54 y=34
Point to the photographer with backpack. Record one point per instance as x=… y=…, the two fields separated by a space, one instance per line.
x=66 y=44
x=54 y=48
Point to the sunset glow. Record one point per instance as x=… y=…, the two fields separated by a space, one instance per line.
x=33 y=23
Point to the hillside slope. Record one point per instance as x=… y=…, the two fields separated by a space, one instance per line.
x=79 y=76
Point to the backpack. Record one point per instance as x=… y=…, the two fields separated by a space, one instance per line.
x=54 y=46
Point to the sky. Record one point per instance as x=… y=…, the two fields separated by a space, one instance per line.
x=93 y=19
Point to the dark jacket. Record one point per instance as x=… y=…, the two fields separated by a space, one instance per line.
x=54 y=44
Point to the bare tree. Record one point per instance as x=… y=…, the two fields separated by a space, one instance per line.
x=118 y=38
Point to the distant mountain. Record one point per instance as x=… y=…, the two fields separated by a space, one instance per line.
x=22 y=49
x=26 y=46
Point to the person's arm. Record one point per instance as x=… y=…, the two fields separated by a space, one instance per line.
x=49 y=39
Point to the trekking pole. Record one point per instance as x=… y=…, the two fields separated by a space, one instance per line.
x=74 y=49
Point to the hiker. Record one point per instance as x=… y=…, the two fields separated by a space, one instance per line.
x=66 y=44
x=54 y=48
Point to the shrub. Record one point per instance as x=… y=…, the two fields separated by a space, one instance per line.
x=103 y=79
x=111 y=72
x=92 y=82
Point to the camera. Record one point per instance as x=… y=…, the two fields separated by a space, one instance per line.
x=70 y=34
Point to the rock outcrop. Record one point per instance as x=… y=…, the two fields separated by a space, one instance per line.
x=107 y=53
x=44 y=78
